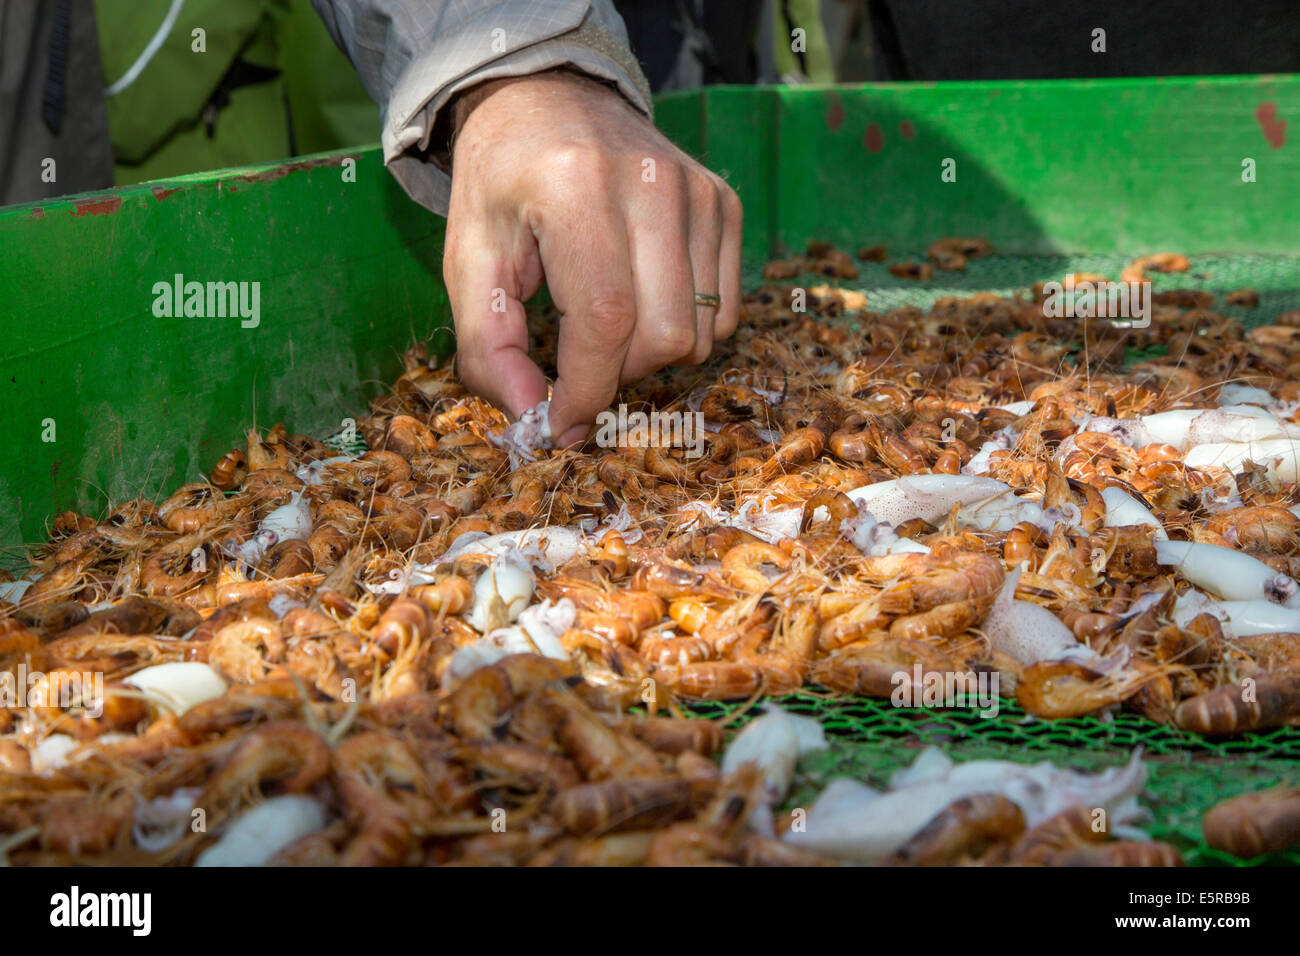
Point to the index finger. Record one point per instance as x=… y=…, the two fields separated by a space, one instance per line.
x=589 y=271
x=491 y=327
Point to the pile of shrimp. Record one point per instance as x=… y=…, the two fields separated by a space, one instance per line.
x=518 y=766
x=870 y=501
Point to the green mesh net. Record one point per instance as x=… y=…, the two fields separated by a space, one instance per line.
x=1188 y=774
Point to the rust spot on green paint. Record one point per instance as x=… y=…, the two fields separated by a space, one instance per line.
x=160 y=192
x=280 y=170
x=907 y=130
x=875 y=139
x=38 y=213
x=1274 y=128
x=98 y=207
x=834 y=111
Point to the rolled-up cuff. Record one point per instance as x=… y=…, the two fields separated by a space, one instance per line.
x=590 y=49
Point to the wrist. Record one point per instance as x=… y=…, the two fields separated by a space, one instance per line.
x=560 y=80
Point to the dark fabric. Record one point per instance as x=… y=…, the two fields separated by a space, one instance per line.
x=51 y=101
x=693 y=42
x=56 y=75
x=733 y=29
x=1042 y=39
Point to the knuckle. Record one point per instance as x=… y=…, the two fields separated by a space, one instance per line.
x=705 y=197
x=611 y=325
x=675 y=343
x=668 y=171
x=613 y=308
x=580 y=162
x=733 y=211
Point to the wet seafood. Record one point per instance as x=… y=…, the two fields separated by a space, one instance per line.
x=977 y=487
x=1255 y=823
x=852 y=822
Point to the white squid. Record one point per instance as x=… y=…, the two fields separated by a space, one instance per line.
x=1229 y=574
x=854 y=823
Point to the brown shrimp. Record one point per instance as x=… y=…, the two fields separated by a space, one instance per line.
x=797 y=448
x=599 y=751
x=161 y=575
x=1269 y=700
x=192 y=507
x=1126 y=554
x=880 y=668
x=611 y=553
x=289 y=756
x=85 y=825
x=393 y=522
x=691 y=614
x=450 y=595
x=966 y=828
x=268 y=454
x=1114 y=853
x=1136 y=270
x=1056 y=690
x=616 y=849
x=519 y=765
x=249 y=650
x=14 y=757
x=614 y=805
x=328 y=543
x=671 y=650
x=1263 y=527
x=118 y=653
x=963 y=577
x=667 y=578
x=482 y=703
x=241 y=706
x=733 y=680
x=291 y=558
x=675 y=736
x=387 y=788
x=839 y=507
x=229 y=473
x=689 y=844
x=742 y=565
x=132 y=615
x=951 y=253
x=64 y=580
x=405 y=622
x=1253 y=824
x=1074 y=826
x=19 y=646
x=232 y=589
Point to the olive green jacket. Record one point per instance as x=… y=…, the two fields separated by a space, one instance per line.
x=231 y=82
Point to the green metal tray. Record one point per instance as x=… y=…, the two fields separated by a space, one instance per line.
x=1060 y=175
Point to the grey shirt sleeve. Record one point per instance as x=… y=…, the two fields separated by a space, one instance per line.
x=414 y=55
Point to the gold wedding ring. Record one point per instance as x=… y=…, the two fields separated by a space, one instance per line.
x=712 y=301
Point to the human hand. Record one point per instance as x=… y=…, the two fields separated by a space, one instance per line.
x=556 y=178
